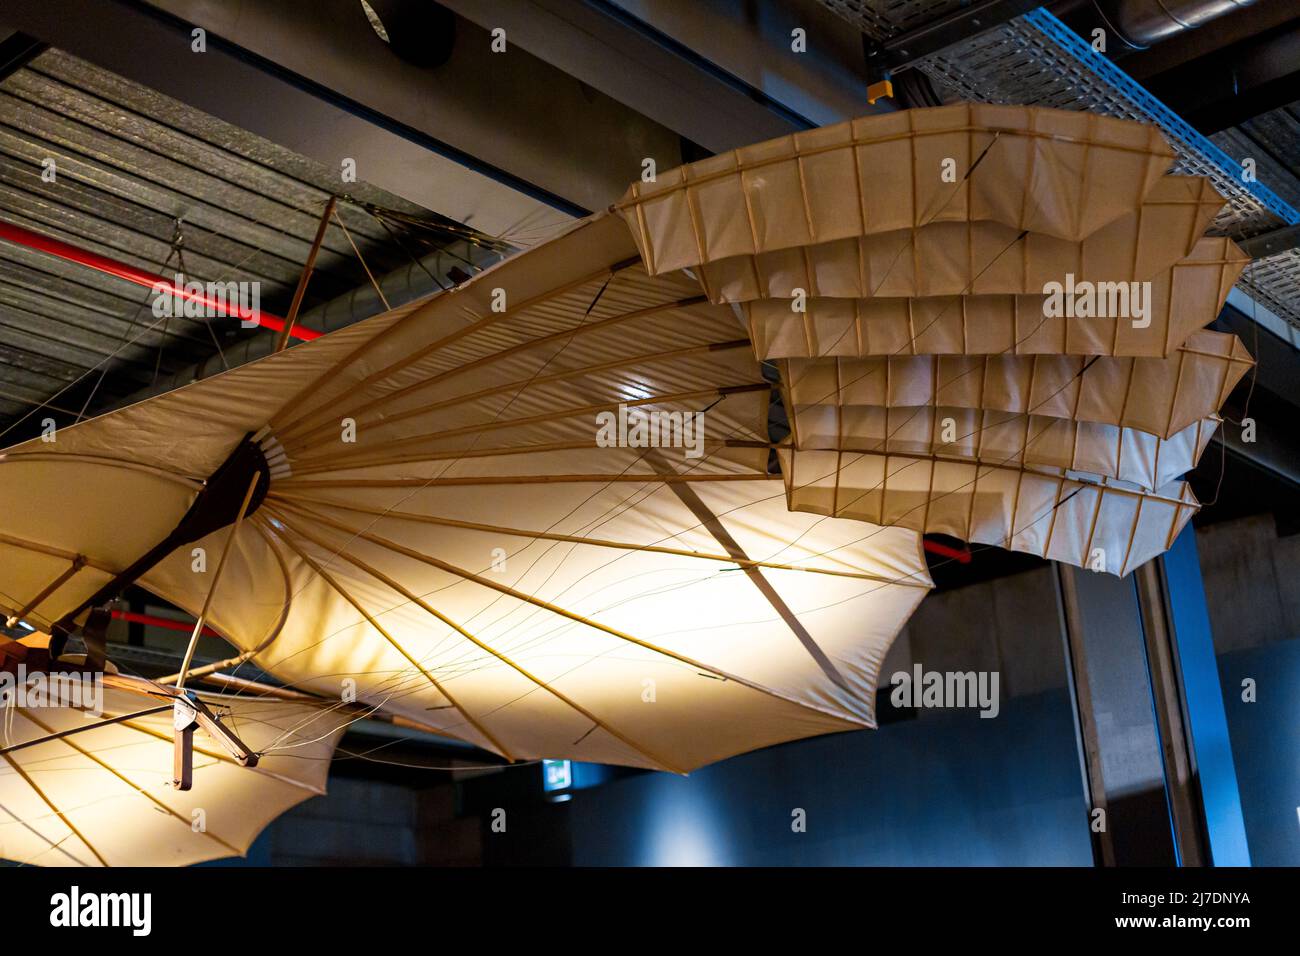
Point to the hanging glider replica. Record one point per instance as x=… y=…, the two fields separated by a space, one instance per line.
x=980 y=321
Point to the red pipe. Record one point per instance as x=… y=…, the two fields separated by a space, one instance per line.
x=121 y=270
x=934 y=547
x=164 y=622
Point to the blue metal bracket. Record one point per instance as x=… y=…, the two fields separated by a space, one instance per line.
x=1170 y=122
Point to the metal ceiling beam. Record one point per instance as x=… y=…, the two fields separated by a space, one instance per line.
x=509 y=144
x=1235 y=84
x=411 y=157
x=17 y=50
x=720 y=80
x=750 y=43
x=1271 y=243
x=929 y=38
x=640 y=67
x=508 y=115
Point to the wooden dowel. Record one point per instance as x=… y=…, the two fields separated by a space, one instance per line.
x=216 y=578
x=303 y=279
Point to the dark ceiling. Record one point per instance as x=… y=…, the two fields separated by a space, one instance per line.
x=134 y=172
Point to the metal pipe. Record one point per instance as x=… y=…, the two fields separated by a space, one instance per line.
x=153 y=620
x=934 y=547
x=129 y=273
x=1141 y=23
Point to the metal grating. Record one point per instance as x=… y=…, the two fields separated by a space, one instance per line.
x=883 y=19
x=1037 y=59
x=1272 y=139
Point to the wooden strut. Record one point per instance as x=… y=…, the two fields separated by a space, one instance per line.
x=308 y=267
x=188 y=712
x=78 y=562
x=61 y=734
x=216 y=579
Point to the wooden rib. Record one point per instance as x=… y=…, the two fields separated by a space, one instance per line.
x=59 y=813
x=1092 y=528
x=855 y=141
x=560 y=415
x=486 y=360
x=284 y=428
x=1055 y=510
x=1132 y=536
x=498 y=451
x=1015 y=501
x=1029 y=174
x=1173 y=398
x=76 y=565
x=510 y=480
x=194 y=484
x=424 y=606
x=140 y=790
x=803 y=190
x=562 y=612
x=857 y=184
x=53 y=552
x=974 y=498
x=1178 y=514
x=691 y=216
x=437 y=685
x=645 y=245
x=651 y=358
x=569 y=538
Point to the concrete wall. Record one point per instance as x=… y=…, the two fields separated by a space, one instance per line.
x=1252 y=587
x=1251 y=577
x=1009 y=624
x=1266 y=747
x=945 y=788
x=954 y=790
x=371 y=823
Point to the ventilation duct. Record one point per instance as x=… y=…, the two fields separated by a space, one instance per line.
x=1141 y=23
